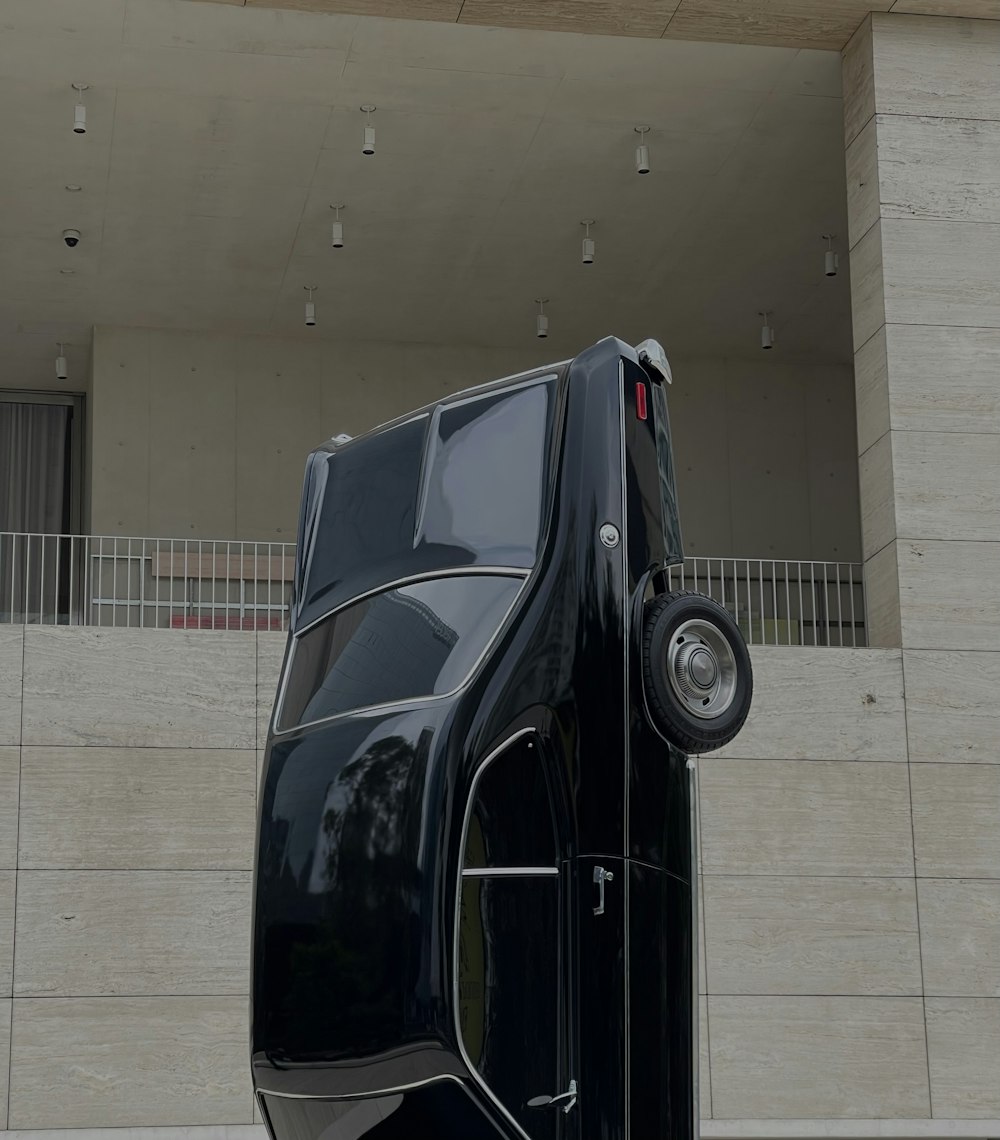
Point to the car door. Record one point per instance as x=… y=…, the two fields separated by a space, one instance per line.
x=514 y=965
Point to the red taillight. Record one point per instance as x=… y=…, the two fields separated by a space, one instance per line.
x=640 y=400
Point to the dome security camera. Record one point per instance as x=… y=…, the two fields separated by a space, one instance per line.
x=71 y=238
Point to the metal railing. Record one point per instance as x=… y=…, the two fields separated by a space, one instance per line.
x=50 y=579
x=777 y=602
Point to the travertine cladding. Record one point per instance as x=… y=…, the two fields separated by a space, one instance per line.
x=960 y=936
x=94 y=933
x=854 y=700
x=91 y=1062
x=811 y=935
x=922 y=127
x=11 y=643
x=922 y=123
x=963 y=1044
x=138 y=688
x=129 y=966
x=4 y=1056
x=802 y=1057
x=10 y=768
x=181 y=809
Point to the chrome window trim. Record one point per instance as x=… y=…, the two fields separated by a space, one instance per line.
x=406 y=702
x=466 y=817
x=508 y=872
x=259 y=1091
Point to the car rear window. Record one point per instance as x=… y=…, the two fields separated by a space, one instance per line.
x=419 y=640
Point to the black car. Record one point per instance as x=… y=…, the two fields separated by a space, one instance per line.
x=473 y=898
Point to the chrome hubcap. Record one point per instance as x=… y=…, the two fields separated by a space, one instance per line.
x=701 y=667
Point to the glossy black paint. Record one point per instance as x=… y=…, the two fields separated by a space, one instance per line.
x=437 y=1005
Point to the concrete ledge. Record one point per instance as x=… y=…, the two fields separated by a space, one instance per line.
x=835 y=1129
x=205 y=1132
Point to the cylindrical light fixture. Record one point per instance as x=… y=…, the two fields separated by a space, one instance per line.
x=80 y=111
x=337 y=229
x=310 y=305
x=369 y=144
x=589 y=247
x=641 y=151
x=541 y=320
x=62 y=371
x=831 y=259
x=766 y=332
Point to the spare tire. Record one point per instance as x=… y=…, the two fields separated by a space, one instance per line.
x=696 y=671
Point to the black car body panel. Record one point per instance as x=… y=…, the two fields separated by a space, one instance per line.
x=473 y=880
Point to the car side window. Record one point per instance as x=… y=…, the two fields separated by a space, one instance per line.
x=419 y=640
x=511 y=822
x=510 y=958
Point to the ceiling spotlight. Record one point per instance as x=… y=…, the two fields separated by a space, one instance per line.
x=310 y=305
x=369 y=147
x=67 y=272
x=73 y=188
x=766 y=332
x=588 y=243
x=337 y=229
x=541 y=321
x=831 y=260
x=80 y=112
x=641 y=151
x=62 y=372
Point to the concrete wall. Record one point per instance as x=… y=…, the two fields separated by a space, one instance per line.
x=195 y=435
x=851 y=906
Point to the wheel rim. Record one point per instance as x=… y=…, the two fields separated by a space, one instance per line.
x=701 y=667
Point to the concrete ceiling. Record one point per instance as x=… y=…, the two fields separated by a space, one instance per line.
x=823 y=24
x=219 y=135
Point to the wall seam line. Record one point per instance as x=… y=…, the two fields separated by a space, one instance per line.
x=916 y=892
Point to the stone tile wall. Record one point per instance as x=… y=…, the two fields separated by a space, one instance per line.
x=849 y=943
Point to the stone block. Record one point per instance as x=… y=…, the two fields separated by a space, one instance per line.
x=807 y=1057
x=137 y=809
x=9 y=780
x=812 y=935
x=114 y=1062
x=948 y=595
x=134 y=933
x=270 y=654
x=8 y=887
x=789 y=817
x=960 y=937
x=952 y=710
x=942 y=379
x=963 y=1044
x=956 y=808
x=822 y=704
x=11 y=654
x=139 y=688
x=945 y=485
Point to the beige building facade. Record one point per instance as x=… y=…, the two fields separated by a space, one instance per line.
x=850 y=836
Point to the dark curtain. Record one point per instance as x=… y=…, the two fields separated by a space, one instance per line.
x=34 y=499
x=33 y=467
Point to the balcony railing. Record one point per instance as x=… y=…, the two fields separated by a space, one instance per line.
x=164 y=583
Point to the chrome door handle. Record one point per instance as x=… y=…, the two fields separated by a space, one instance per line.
x=565 y=1100
x=600 y=878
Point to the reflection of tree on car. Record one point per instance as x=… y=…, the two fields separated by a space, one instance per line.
x=474 y=881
